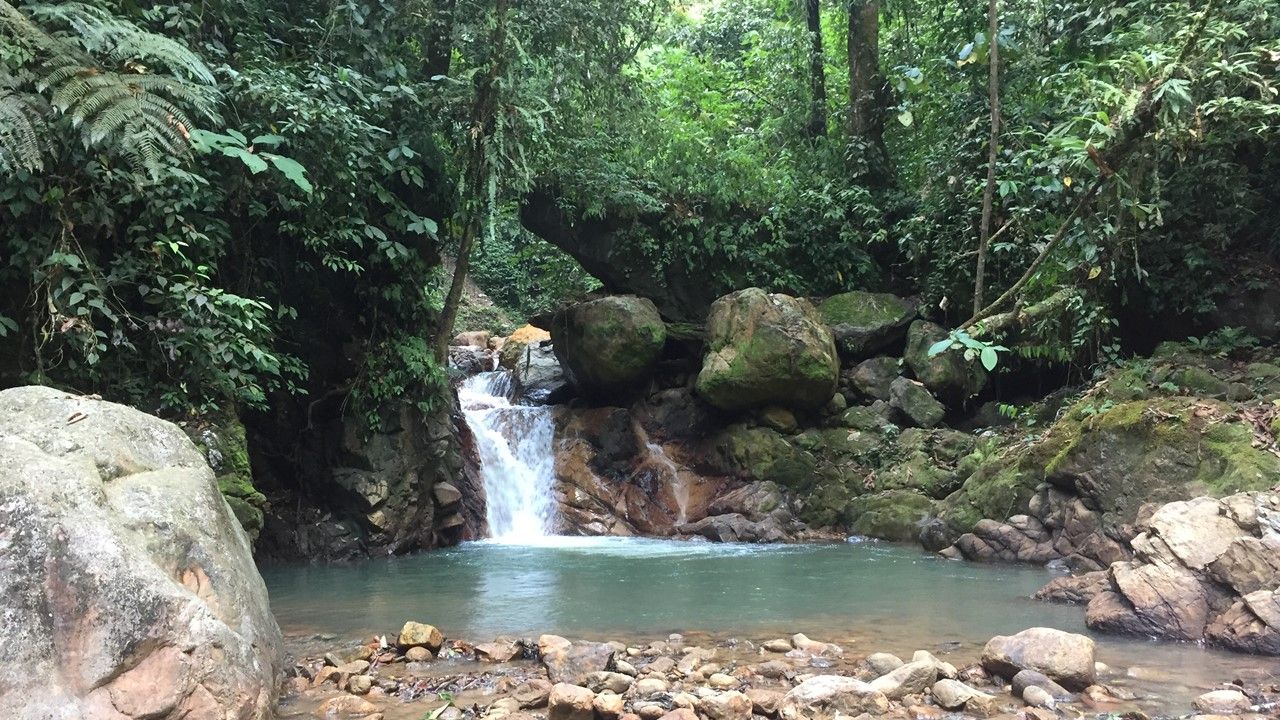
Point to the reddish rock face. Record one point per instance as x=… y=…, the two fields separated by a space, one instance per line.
x=126 y=583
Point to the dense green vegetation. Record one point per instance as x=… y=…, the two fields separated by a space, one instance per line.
x=224 y=202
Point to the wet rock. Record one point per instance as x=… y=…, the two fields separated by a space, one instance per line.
x=731 y=705
x=827 y=694
x=348 y=707
x=1222 y=702
x=915 y=404
x=1036 y=696
x=1066 y=657
x=910 y=679
x=774 y=669
x=948 y=373
x=953 y=694
x=767 y=350
x=532 y=693
x=570 y=702
x=800 y=641
x=613 y=682
x=498 y=651
x=608 y=705
x=890 y=515
x=765 y=701
x=128 y=588
x=359 y=684
x=609 y=347
x=1074 y=589
x=1026 y=678
x=416 y=634
x=573 y=662
x=513 y=349
x=864 y=323
x=539 y=377
x=419 y=653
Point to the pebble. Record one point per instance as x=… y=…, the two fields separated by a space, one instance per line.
x=777 y=645
x=721 y=681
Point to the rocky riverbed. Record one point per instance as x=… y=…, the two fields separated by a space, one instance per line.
x=1036 y=674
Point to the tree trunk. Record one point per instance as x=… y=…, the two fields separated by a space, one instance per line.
x=438 y=44
x=989 y=192
x=866 y=84
x=817 y=71
x=478 y=175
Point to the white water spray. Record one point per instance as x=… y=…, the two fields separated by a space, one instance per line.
x=517 y=459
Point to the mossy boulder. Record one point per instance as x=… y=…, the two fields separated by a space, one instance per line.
x=890 y=515
x=873 y=378
x=1118 y=457
x=609 y=347
x=932 y=462
x=864 y=323
x=767 y=349
x=915 y=405
x=947 y=374
x=757 y=453
x=224 y=445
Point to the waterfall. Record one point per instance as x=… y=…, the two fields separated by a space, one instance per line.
x=679 y=488
x=517 y=462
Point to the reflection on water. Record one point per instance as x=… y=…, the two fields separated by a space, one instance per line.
x=869 y=596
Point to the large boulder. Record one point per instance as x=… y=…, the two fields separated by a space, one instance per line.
x=1065 y=657
x=514 y=346
x=128 y=588
x=1203 y=570
x=767 y=349
x=539 y=377
x=948 y=373
x=864 y=323
x=608 y=347
x=914 y=404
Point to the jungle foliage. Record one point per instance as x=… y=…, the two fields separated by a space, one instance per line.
x=221 y=202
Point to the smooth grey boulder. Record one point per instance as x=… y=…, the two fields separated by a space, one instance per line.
x=127 y=586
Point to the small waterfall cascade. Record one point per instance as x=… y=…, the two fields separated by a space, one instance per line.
x=517 y=459
x=679 y=487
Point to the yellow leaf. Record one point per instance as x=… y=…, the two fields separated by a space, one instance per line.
x=1095 y=272
x=1067 y=181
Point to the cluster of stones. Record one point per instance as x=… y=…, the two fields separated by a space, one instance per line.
x=1035 y=672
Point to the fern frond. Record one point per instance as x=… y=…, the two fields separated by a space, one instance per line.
x=122 y=42
x=20 y=145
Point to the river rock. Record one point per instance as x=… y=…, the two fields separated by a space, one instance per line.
x=767 y=349
x=1066 y=657
x=910 y=679
x=883 y=663
x=498 y=651
x=864 y=323
x=914 y=403
x=1026 y=678
x=731 y=705
x=955 y=695
x=513 y=349
x=568 y=662
x=348 y=707
x=826 y=694
x=1223 y=702
x=416 y=634
x=613 y=682
x=947 y=374
x=127 y=585
x=1036 y=696
x=418 y=653
x=608 y=347
x=1190 y=566
x=532 y=693
x=570 y=702
x=608 y=705
x=764 y=701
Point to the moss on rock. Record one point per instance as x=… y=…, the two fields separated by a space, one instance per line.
x=864 y=323
x=890 y=515
x=609 y=347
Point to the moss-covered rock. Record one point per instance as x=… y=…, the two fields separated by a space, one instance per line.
x=767 y=349
x=890 y=515
x=873 y=378
x=915 y=404
x=931 y=462
x=224 y=445
x=947 y=374
x=864 y=323
x=609 y=347
x=757 y=453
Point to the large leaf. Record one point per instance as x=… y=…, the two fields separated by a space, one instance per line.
x=291 y=169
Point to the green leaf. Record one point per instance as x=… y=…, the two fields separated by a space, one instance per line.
x=291 y=169
x=989 y=358
x=253 y=162
x=906 y=118
x=939 y=347
x=271 y=140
